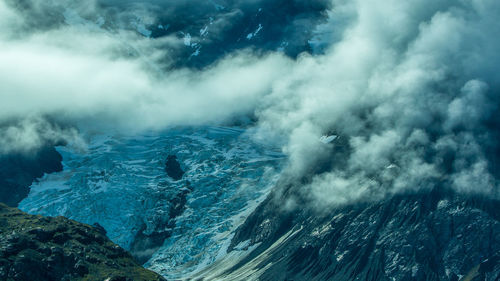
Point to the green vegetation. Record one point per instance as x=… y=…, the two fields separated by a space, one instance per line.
x=44 y=248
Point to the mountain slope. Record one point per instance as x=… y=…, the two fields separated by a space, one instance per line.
x=44 y=248
x=18 y=171
x=436 y=235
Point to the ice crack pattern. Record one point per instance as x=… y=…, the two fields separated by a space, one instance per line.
x=120 y=183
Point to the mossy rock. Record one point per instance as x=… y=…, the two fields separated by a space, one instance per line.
x=45 y=248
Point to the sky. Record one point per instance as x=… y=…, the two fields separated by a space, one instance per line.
x=409 y=87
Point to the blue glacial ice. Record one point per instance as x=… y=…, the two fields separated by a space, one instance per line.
x=120 y=182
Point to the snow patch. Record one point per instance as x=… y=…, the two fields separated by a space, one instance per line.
x=187 y=39
x=204 y=31
x=253 y=34
x=327 y=139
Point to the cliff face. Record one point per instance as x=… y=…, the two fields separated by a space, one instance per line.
x=46 y=248
x=434 y=235
x=18 y=171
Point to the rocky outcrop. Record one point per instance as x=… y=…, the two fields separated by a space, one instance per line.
x=18 y=171
x=173 y=168
x=45 y=248
x=147 y=242
x=436 y=235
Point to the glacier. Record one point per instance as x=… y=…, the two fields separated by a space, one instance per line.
x=120 y=182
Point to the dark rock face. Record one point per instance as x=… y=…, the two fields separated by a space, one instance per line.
x=99 y=228
x=145 y=243
x=234 y=25
x=437 y=235
x=18 y=171
x=42 y=248
x=148 y=241
x=173 y=168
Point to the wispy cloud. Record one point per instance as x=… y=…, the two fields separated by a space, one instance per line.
x=410 y=88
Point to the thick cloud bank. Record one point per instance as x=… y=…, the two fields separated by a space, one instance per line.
x=83 y=74
x=409 y=87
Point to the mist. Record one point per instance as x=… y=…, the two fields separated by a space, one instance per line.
x=87 y=76
x=410 y=89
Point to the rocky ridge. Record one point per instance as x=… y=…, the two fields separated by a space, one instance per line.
x=432 y=235
x=55 y=248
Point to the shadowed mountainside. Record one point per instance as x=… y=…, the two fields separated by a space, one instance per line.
x=18 y=171
x=433 y=235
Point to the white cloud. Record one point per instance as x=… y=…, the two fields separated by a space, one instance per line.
x=31 y=133
x=399 y=80
x=410 y=86
x=79 y=74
